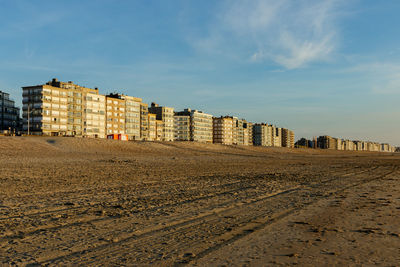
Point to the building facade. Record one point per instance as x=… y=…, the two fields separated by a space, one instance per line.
x=132 y=117
x=115 y=115
x=223 y=130
x=144 y=121
x=288 y=138
x=304 y=143
x=159 y=130
x=326 y=142
x=277 y=137
x=152 y=127
x=94 y=116
x=9 y=114
x=182 y=127
x=249 y=127
x=200 y=126
x=261 y=134
x=55 y=108
x=166 y=115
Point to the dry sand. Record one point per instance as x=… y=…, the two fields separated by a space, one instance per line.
x=71 y=201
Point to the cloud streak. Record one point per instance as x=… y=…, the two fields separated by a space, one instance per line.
x=292 y=34
x=384 y=78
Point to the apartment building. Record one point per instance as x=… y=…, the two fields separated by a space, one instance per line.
x=339 y=144
x=261 y=135
x=193 y=125
x=267 y=135
x=327 y=142
x=270 y=135
x=358 y=145
x=249 y=127
x=385 y=148
x=115 y=115
x=277 y=139
x=240 y=131
x=223 y=130
x=9 y=114
x=144 y=121
x=160 y=134
x=235 y=130
x=375 y=146
x=166 y=115
x=132 y=116
x=94 y=116
x=245 y=136
x=182 y=127
x=348 y=145
x=55 y=108
x=152 y=127
x=288 y=138
x=304 y=143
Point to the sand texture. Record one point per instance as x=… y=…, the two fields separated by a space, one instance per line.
x=72 y=201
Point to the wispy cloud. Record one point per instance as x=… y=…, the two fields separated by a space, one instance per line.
x=289 y=33
x=383 y=78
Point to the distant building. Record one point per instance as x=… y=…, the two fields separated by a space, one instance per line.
x=55 y=108
x=277 y=137
x=160 y=134
x=152 y=127
x=348 y=145
x=327 y=142
x=193 y=125
x=270 y=135
x=358 y=145
x=385 y=148
x=372 y=146
x=132 y=117
x=9 y=114
x=144 y=121
x=94 y=116
x=223 y=130
x=249 y=127
x=239 y=132
x=339 y=144
x=182 y=127
x=235 y=130
x=304 y=143
x=166 y=115
x=115 y=115
x=288 y=138
x=261 y=134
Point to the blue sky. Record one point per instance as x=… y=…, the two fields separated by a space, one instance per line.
x=318 y=67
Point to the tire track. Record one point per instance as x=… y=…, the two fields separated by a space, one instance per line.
x=261 y=223
x=178 y=225
x=22 y=216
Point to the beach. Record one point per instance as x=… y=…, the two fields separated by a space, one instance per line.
x=70 y=201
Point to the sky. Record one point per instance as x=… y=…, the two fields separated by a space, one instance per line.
x=317 y=67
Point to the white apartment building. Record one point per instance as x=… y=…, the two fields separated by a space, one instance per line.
x=54 y=108
x=223 y=130
x=166 y=115
x=132 y=117
x=94 y=115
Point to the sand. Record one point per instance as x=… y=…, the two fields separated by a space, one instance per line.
x=72 y=201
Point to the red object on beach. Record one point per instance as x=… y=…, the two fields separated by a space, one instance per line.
x=121 y=137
